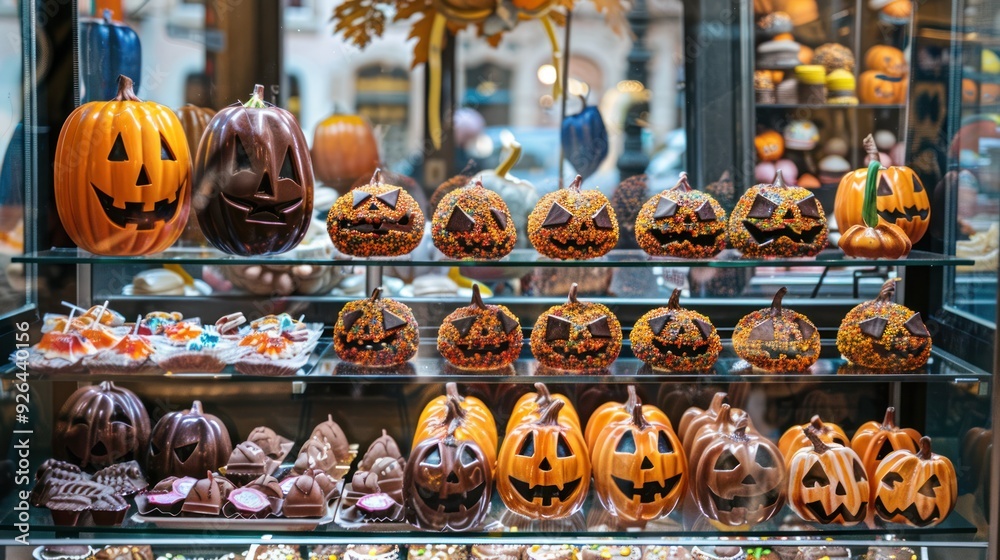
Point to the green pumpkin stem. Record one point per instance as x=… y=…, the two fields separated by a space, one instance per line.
x=477 y=298
x=682 y=184
x=889 y=422
x=776 y=302
x=888 y=291
x=510 y=161
x=779 y=180
x=869 y=208
x=256 y=100
x=376 y=294
x=819 y=446
x=572 y=294
x=675 y=299
x=549 y=416
x=924 y=452
x=126 y=89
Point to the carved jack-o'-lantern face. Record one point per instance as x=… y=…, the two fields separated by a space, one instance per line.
x=375 y=332
x=919 y=489
x=376 y=219
x=778 y=220
x=480 y=336
x=827 y=483
x=740 y=478
x=770 y=145
x=573 y=224
x=886 y=59
x=101 y=425
x=777 y=339
x=123 y=175
x=882 y=334
x=543 y=470
x=447 y=484
x=676 y=339
x=188 y=443
x=254 y=179
x=473 y=222
x=681 y=222
x=576 y=335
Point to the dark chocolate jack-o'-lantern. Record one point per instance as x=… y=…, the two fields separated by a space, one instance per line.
x=676 y=339
x=778 y=220
x=827 y=484
x=480 y=336
x=187 y=443
x=375 y=332
x=874 y=440
x=694 y=419
x=473 y=223
x=739 y=478
x=377 y=219
x=681 y=222
x=576 y=335
x=777 y=339
x=122 y=175
x=918 y=489
x=253 y=179
x=573 y=224
x=100 y=425
x=881 y=334
x=543 y=470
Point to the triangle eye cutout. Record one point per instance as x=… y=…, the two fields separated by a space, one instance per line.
x=507 y=322
x=557 y=216
x=391 y=321
x=464 y=325
x=602 y=219
x=459 y=221
x=166 y=154
x=499 y=217
x=556 y=328
x=118 y=152
x=884 y=188
x=762 y=208
x=665 y=208
x=288 y=168
x=242 y=158
x=390 y=198
x=657 y=324
x=350 y=318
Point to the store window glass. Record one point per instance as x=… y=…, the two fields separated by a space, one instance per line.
x=12 y=152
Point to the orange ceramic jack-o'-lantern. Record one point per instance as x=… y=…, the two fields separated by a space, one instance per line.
x=794 y=439
x=123 y=175
x=827 y=484
x=875 y=440
x=919 y=489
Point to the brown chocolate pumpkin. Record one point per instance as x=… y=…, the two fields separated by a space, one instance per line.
x=480 y=336
x=100 y=425
x=827 y=483
x=187 y=443
x=681 y=222
x=778 y=220
x=676 y=339
x=884 y=335
x=777 y=339
x=375 y=332
x=573 y=224
x=377 y=219
x=918 y=489
x=576 y=335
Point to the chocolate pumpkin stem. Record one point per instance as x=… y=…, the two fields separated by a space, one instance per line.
x=889 y=422
x=575 y=184
x=572 y=294
x=550 y=414
x=106 y=385
x=542 y=396
x=718 y=400
x=779 y=180
x=126 y=89
x=376 y=293
x=477 y=298
x=256 y=100
x=638 y=420
x=776 y=302
x=682 y=184
x=455 y=413
x=742 y=423
x=675 y=300
x=377 y=177
x=633 y=398
x=888 y=291
x=725 y=417
x=195 y=408
x=451 y=390
x=816 y=424
x=871 y=148
x=819 y=446
x=924 y=452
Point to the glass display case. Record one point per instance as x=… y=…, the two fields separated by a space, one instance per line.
x=635 y=394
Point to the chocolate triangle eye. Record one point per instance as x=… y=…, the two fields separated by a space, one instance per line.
x=915 y=326
x=809 y=207
x=360 y=197
x=390 y=198
x=884 y=188
x=557 y=216
x=602 y=219
x=763 y=331
x=656 y=324
x=391 y=321
x=507 y=322
x=705 y=328
x=350 y=318
x=762 y=208
x=873 y=327
x=705 y=212
x=599 y=328
x=806 y=328
x=464 y=325
x=556 y=328
x=665 y=208
x=499 y=217
x=288 y=168
x=459 y=221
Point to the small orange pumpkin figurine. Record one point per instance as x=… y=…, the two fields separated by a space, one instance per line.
x=827 y=483
x=875 y=440
x=795 y=439
x=876 y=238
x=918 y=489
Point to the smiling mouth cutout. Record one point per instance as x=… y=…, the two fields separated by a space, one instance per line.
x=910 y=513
x=133 y=213
x=819 y=510
x=765 y=237
x=579 y=353
x=470 y=351
x=908 y=213
x=648 y=492
x=678 y=349
x=573 y=245
x=378 y=227
x=545 y=492
x=748 y=503
x=666 y=238
x=363 y=344
x=452 y=503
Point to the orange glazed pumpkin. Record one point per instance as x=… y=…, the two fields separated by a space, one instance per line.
x=827 y=484
x=878 y=88
x=887 y=60
x=875 y=238
x=900 y=198
x=612 y=412
x=473 y=413
x=874 y=440
x=123 y=175
x=795 y=438
x=344 y=150
x=918 y=489
x=530 y=405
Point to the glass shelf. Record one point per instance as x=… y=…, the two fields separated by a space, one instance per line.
x=428 y=367
x=820 y=106
x=729 y=258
